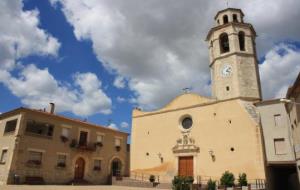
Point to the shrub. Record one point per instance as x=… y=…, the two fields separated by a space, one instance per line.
x=98 y=144
x=243 y=179
x=211 y=185
x=227 y=179
x=64 y=139
x=152 y=178
x=182 y=182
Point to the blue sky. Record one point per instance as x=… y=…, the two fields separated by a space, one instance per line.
x=100 y=59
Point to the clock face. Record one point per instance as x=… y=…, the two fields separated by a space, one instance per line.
x=226 y=70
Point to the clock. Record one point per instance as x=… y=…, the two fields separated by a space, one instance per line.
x=226 y=70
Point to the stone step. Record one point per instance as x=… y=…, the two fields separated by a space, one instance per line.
x=127 y=181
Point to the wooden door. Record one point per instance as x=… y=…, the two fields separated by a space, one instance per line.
x=83 y=138
x=79 y=168
x=186 y=166
x=116 y=168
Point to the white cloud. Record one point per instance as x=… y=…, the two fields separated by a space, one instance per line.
x=279 y=70
x=119 y=82
x=121 y=99
x=37 y=87
x=113 y=126
x=124 y=125
x=159 y=46
x=21 y=36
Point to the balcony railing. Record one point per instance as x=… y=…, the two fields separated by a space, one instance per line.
x=82 y=146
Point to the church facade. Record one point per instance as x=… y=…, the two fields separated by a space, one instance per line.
x=206 y=136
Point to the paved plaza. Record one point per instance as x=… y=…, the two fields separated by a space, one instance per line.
x=69 y=187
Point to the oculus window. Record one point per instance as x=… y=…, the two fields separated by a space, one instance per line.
x=187 y=123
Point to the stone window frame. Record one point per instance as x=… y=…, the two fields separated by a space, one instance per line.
x=98 y=134
x=58 y=163
x=118 y=139
x=69 y=128
x=282 y=140
x=9 y=129
x=97 y=168
x=4 y=156
x=278 y=120
x=35 y=163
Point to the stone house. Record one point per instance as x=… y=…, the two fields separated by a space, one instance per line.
x=41 y=147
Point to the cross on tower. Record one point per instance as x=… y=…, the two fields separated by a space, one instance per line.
x=186 y=90
x=227 y=2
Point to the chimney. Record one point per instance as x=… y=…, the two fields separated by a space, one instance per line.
x=52 y=107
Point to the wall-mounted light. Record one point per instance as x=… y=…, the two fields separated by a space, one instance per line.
x=211 y=153
x=160 y=157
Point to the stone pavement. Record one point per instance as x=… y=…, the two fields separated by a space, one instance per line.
x=69 y=187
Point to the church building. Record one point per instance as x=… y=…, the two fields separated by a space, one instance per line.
x=202 y=136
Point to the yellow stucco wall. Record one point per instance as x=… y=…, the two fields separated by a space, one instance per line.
x=157 y=132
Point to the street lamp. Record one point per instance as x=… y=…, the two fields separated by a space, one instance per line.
x=285 y=100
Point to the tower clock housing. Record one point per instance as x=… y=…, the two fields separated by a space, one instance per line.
x=233 y=60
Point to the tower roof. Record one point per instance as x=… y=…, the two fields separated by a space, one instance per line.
x=229 y=9
x=225 y=25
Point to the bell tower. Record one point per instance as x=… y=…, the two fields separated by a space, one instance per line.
x=233 y=61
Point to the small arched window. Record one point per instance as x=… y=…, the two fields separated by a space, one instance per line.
x=225 y=19
x=242 y=40
x=224 y=43
x=234 y=18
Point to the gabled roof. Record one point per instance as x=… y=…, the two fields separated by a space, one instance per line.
x=56 y=116
x=229 y=9
x=180 y=102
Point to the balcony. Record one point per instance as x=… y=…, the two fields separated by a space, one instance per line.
x=82 y=146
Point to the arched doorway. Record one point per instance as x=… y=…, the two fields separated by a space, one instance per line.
x=79 y=168
x=116 y=167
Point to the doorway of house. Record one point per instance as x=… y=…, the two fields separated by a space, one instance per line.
x=79 y=169
x=283 y=177
x=186 y=166
x=116 y=166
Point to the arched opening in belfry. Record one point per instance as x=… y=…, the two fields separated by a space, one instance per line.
x=224 y=43
x=225 y=19
x=242 y=40
x=234 y=18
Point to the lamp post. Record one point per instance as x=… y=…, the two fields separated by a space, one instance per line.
x=288 y=101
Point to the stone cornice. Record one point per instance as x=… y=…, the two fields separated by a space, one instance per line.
x=198 y=105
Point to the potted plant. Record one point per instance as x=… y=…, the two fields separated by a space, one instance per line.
x=64 y=139
x=118 y=148
x=97 y=168
x=73 y=143
x=243 y=181
x=34 y=163
x=211 y=185
x=227 y=180
x=152 y=180
x=98 y=144
x=61 y=165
